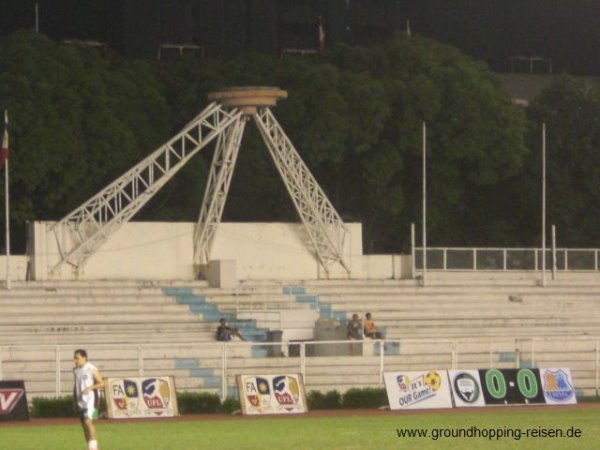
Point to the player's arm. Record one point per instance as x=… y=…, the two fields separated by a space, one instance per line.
x=98 y=382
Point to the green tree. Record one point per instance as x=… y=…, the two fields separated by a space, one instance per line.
x=475 y=145
x=571 y=111
x=78 y=119
x=329 y=115
x=355 y=114
x=81 y=118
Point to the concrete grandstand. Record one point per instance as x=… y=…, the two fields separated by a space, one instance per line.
x=156 y=328
x=145 y=298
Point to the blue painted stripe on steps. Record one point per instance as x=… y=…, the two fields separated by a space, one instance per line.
x=191 y=299
x=209 y=312
x=232 y=392
x=325 y=309
x=211 y=382
x=209 y=316
x=294 y=290
x=392 y=348
x=506 y=357
x=202 y=372
x=340 y=315
x=177 y=291
x=255 y=335
x=307 y=298
x=249 y=324
x=259 y=352
x=186 y=363
x=201 y=307
x=326 y=313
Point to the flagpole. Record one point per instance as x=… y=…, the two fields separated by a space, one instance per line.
x=321 y=43
x=7 y=211
x=37 y=17
x=7 y=207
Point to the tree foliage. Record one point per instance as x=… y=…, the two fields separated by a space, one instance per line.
x=355 y=116
x=474 y=139
x=81 y=117
x=77 y=120
x=571 y=111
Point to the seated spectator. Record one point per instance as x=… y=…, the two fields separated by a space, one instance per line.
x=353 y=328
x=226 y=333
x=370 y=329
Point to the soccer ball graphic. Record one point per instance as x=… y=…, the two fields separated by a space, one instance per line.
x=434 y=380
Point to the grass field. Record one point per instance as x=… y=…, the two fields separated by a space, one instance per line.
x=356 y=431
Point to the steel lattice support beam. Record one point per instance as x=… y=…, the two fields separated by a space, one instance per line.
x=323 y=224
x=83 y=231
x=217 y=188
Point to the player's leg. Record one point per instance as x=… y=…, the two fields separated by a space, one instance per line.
x=90 y=434
x=89 y=429
x=83 y=418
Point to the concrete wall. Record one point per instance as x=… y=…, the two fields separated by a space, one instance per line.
x=18 y=267
x=138 y=250
x=164 y=251
x=279 y=250
x=377 y=267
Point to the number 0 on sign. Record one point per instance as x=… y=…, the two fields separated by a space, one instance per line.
x=511 y=386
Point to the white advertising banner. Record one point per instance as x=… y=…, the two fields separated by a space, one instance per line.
x=272 y=394
x=558 y=386
x=418 y=390
x=140 y=397
x=466 y=388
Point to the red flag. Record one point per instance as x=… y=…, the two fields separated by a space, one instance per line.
x=4 y=150
x=321 y=36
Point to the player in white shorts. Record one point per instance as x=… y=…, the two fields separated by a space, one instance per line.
x=87 y=380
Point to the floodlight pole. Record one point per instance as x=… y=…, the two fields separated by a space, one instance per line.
x=5 y=146
x=554 y=252
x=424 y=204
x=413 y=253
x=544 y=204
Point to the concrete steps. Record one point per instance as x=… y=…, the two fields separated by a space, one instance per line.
x=168 y=328
x=140 y=309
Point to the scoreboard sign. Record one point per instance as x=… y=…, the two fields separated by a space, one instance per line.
x=512 y=386
x=482 y=387
x=13 y=401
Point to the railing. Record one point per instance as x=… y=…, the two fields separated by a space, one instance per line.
x=50 y=365
x=506 y=259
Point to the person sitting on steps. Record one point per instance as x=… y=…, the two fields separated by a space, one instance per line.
x=226 y=333
x=370 y=330
x=353 y=328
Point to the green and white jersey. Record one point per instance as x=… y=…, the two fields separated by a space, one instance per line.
x=84 y=378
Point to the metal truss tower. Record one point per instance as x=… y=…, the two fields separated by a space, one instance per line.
x=83 y=231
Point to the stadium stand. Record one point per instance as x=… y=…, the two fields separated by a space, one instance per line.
x=142 y=328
